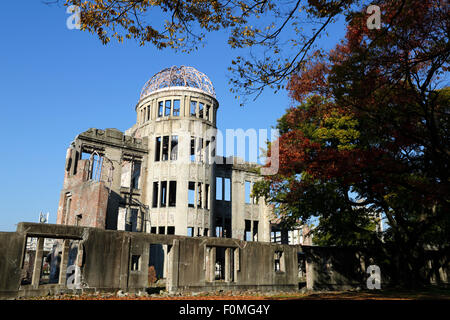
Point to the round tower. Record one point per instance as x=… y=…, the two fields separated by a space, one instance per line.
x=177 y=113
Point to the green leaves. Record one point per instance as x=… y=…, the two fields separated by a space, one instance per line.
x=370 y=123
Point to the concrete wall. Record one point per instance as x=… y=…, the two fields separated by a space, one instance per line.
x=12 y=246
x=334 y=268
x=112 y=260
x=338 y=268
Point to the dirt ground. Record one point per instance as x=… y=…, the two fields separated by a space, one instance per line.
x=428 y=294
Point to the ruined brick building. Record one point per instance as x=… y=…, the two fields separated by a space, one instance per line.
x=162 y=175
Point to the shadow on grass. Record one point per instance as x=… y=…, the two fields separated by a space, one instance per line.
x=432 y=293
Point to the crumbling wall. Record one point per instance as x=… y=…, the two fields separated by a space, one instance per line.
x=94 y=187
x=106 y=260
x=250 y=265
x=12 y=246
x=334 y=268
x=342 y=268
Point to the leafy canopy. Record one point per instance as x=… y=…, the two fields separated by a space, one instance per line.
x=370 y=134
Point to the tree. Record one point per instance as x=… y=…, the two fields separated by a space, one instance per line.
x=283 y=33
x=371 y=136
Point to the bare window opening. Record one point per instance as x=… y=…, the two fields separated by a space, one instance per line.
x=193 y=108
x=156 y=263
x=75 y=165
x=205 y=232
x=135 y=263
x=221 y=264
x=174 y=148
x=247 y=192
x=167 y=107
x=149 y=109
x=199 y=195
x=208 y=107
x=136 y=175
x=132 y=220
x=172 y=193
x=160 y=108
x=153 y=230
x=200 y=110
x=158 y=149
x=248 y=225
x=170 y=230
x=67 y=205
x=165 y=148
x=227 y=189
x=219 y=231
x=155 y=194
x=163 y=193
x=207 y=196
x=191 y=194
x=176 y=107
x=78 y=218
x=279 y=261
x=192 y=154
x=68 y=164
x=95 y=165
x=161 y=230
x=255 y=230
x=275 y=236
x=219 y=273
x=219 y=185
x=85 y=155
x=42 y=261
x=190 y=231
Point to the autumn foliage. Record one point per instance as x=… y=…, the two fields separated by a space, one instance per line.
x=370 y=137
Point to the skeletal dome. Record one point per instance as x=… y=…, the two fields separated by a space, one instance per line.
x=178 y=77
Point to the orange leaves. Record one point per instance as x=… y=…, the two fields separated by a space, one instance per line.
x=311 y=80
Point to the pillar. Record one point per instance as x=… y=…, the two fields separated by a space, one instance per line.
x=174 y=257
x=38 y=262
x=64 y=262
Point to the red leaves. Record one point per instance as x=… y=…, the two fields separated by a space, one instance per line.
x=310 y=81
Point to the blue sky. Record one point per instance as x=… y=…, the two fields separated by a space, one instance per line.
x=56 y=83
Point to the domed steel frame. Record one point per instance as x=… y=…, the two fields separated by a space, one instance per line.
x=178 y=77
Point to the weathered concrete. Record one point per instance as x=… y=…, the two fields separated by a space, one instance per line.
x=113 y=260
x=108 y=260
x=12 y=246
